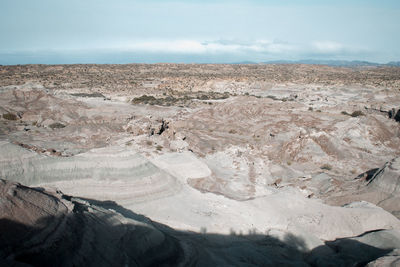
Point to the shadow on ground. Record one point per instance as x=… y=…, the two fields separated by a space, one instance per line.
x=94 y=235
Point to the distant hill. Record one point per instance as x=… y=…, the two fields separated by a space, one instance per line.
x=394 y=63
x=246 y=62
x=336 y=63
x=341 y=63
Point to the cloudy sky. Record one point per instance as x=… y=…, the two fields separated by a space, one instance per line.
x=221 y=31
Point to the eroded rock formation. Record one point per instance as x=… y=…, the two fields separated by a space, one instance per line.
x=230 y=164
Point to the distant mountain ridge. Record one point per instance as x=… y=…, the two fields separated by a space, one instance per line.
x=336 y=63
x=394 y=63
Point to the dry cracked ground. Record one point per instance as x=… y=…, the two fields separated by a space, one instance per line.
x=199 y=165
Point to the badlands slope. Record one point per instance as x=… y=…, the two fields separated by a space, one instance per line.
x=144 y=165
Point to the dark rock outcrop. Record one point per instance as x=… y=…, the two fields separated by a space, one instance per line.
x=394 y=114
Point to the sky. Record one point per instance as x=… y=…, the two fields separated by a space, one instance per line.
x=197 y=31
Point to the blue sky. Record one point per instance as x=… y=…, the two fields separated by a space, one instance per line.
x=123 y=31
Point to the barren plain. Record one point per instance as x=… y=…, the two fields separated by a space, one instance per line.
x=199 y=165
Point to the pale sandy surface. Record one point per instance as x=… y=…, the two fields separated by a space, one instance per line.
x=216 y=154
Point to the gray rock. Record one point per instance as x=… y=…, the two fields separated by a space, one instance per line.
x=387 y=178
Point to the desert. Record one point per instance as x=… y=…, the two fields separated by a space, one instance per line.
x=199 y=165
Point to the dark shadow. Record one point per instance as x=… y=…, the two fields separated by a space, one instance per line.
x=92 y=236
x=394 y=114
x=367 y=176
x=112 y=205
x=355 y=253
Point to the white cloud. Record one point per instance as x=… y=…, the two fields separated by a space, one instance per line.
x=213 y=47
x=232 y=50
x=328 y=47
x=181 y=46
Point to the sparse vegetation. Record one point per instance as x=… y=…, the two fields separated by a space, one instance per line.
x=326 y=167
x=241 y=153
x=144 y=99
x=89 y=95
x=272 y=97
x=10 y=116
x=56 y=125
x=204 y=97
x=357 y=113
x=179 y=98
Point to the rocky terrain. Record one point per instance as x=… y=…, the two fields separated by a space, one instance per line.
x=143 y=165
